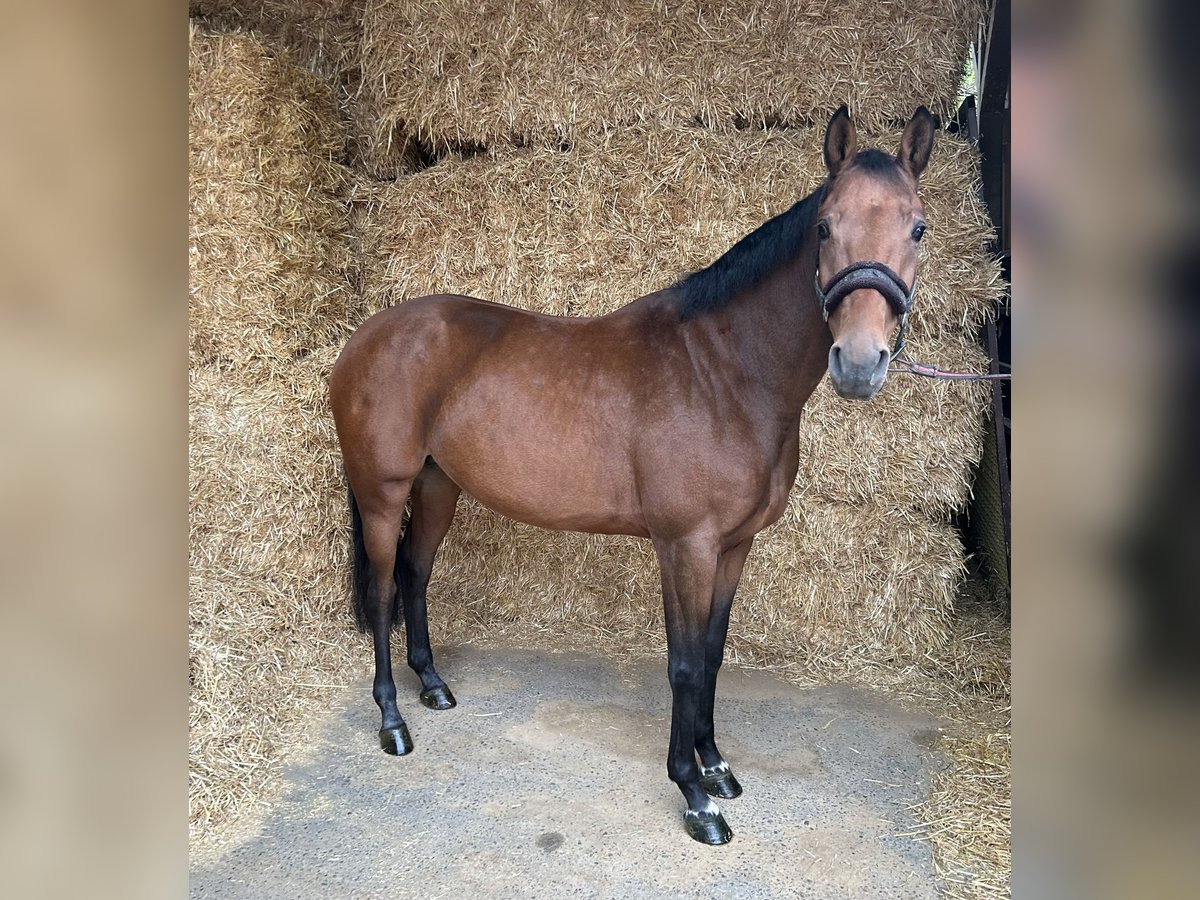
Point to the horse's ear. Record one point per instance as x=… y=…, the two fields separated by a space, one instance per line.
x=841 y=140
x=917 y=143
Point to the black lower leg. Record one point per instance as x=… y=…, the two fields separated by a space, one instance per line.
x=393 y=733
x=706 y=744
x=380 y=510
x=688 y=573
x=703 y=818
x=715 y=775
x=434 y=497
x=413 y=580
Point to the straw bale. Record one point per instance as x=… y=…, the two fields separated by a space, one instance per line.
x=324 y=35
x=268 y=557
x=456 y=73
x=827 y=580
x=270 y=249
x=914 y=445
x=271 y=305
x=586 y=231
x=969 y=813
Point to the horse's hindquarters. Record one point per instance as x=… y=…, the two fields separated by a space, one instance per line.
x=532 y=415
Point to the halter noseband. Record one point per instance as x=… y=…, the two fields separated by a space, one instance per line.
x=875 y=276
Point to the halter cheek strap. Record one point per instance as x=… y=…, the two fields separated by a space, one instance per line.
x=874 y=276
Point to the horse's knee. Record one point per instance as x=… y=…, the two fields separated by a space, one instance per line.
x=381 y=593
x=685 y=675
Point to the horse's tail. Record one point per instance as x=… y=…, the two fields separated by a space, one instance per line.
x=362 y=567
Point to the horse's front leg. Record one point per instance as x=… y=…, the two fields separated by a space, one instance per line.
x=715 y=774
x=689 y=570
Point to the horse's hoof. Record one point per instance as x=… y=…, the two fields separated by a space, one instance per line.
x=439 y=698
x=707 y=827
x=396 y=741
x=721 y=784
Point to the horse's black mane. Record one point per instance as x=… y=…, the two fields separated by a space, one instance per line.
x=749 y=261
x=763 y=250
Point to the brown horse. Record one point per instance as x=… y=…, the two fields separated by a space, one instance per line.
x=675 y=418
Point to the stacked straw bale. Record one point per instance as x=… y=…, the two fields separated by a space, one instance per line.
x=269 y=242
x=267 y=595
x=270 y=306
x=455 y=73
x=863 y=563
x=324 y=35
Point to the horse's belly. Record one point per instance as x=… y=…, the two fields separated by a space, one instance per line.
x=574 y=517
x=549 y=503
x=564 y=479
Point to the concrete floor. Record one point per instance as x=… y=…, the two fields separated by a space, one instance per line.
x=549 y=780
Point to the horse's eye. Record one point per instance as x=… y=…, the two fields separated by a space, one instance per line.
x=823 y=230
x=918 y=232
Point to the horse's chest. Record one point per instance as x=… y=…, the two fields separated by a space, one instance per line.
x=774 y=502
x=771 y=492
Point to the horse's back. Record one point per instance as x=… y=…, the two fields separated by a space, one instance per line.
x=437 y=337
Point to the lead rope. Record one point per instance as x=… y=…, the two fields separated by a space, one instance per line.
x=908 y=367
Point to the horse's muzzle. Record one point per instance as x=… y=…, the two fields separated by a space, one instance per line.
x=857 y=376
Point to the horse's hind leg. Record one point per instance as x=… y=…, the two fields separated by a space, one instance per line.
x=715 y=775
x=382 y=513
x=434 y=497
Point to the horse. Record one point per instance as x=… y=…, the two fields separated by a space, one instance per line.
x=674 y=418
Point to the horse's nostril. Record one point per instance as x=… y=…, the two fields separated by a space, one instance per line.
x=835 y=360
x=881 y=367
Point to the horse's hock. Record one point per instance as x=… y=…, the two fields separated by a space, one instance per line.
x=617 y=196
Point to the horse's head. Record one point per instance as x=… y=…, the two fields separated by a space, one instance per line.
x=868 y=225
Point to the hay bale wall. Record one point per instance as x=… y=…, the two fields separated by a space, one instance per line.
x=270 y=306
x=863 y=564
x=514 y=72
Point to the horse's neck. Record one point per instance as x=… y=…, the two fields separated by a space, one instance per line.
x=775 y=335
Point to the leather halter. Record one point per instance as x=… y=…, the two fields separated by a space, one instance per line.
x=874 y=276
